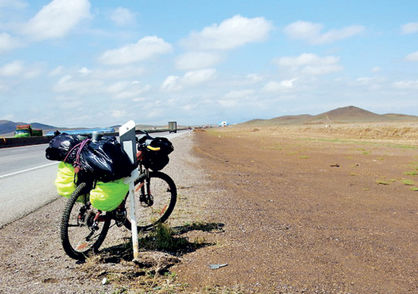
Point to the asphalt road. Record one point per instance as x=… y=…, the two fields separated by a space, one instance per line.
x=27 y=180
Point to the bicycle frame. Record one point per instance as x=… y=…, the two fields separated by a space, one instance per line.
x=153 y=207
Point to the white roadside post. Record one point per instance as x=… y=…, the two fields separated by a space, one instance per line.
x=127 y=138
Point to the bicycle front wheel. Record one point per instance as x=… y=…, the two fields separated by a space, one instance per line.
x=80 y=233
x=155 y=198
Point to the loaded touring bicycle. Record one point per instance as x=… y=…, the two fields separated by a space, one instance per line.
x=96 y=175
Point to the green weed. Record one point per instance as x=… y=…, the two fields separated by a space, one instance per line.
x=407 y=182
x=163 y=239
x=414 y=188
x=382 y=182
x=411 y=173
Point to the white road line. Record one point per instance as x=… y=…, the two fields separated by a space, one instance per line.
x=26 y=170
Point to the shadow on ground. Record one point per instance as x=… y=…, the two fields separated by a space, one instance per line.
x=163 y=239
x=159 y=250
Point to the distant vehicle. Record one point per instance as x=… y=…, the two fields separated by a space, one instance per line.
x=85 y=131
x=27 y=131
x=223 y=124
x=172 y=127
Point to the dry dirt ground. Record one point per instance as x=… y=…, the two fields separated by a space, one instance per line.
x=308 y=213
x=289 y=210
x=32 y=259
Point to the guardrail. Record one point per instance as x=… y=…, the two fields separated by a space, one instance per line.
x=24 y=141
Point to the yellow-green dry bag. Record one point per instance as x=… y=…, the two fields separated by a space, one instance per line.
x=65 y=179
x=108 y=196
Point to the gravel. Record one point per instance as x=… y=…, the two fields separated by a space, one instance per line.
x=32 y=259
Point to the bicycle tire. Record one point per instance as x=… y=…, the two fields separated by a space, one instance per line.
x=145 y=222
x=70 y=249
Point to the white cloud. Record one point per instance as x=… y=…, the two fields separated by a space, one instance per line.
x=80 y=87
x=365 y=80
x=376 y=69
x=84 y=71
x=236 y=94
x=410 y=28
x=311 y=32
x=406 y=84
x=18 y=70
x=127 y=89
x=189 y=79
x=119 y=72
x=56 y=71
x=274 y=86
x=228 y=102
x=57 y=19
x=198 y=76
x=236 y=98
x=145 y=48
x=171 y=83
x=12 y=69
x=16 y=4
x=32 y=72
x=412 y=57
x=138 y=99
x=230 y=33
x=84 y=81
x=122 y=17
x=197 y=60
x=118 y=113
x=7 y=42
x=68 y=102
x=254 y=78
x=311 y=64
x=372 y=83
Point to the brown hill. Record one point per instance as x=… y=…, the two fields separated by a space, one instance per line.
x=8 y=127
x=348 y=114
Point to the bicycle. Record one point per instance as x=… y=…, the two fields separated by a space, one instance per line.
x=84 y=228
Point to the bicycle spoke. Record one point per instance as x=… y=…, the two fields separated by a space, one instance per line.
x=154 y=201
x=82 y=231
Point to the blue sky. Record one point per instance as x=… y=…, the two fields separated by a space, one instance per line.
x=100 y=63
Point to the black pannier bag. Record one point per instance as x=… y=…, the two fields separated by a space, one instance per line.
x=157 y=159
x=104 y=160
x=60 y=145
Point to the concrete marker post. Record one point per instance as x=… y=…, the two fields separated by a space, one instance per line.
x=128 y=140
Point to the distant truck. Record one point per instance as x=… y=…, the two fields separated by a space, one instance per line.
x=172 y=127
x=27 y=131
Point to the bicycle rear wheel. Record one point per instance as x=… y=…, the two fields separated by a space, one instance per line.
x=155 y=198
x=80 y=234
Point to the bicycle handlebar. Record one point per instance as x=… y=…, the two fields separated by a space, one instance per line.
x=144 y=138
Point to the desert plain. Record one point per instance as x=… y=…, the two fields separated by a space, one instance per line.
x=321 y=208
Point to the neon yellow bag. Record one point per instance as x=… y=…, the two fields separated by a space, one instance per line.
x=65 y=179
x=108 y=196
